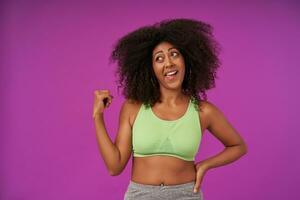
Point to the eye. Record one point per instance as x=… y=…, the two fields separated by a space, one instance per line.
x=174 y=53
x=158 y=58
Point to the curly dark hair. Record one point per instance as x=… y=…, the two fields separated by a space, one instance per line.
x=193 y=39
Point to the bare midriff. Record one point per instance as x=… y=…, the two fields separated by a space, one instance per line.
x=166 y=170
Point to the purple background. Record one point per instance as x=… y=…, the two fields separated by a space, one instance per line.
x=54 y=54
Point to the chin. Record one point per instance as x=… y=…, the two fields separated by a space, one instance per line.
x=173 y=86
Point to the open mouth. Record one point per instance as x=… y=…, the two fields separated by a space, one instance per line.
x=171 y=75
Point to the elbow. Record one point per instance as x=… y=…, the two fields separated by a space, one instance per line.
x=114 y=172
x=244 y=149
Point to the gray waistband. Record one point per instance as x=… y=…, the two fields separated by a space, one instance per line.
x=140 y=185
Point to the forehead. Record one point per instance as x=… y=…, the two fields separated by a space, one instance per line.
x=163 y=46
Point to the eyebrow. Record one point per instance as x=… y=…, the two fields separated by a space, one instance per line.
x=168 y=50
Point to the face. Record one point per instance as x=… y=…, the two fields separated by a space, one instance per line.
x=168 y=65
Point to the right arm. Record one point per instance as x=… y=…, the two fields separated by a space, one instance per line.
x=117 y=154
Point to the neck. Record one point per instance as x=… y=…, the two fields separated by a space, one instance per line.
x=171 y=97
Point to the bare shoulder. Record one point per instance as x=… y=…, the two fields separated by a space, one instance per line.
x=131 y=107
x=206 y=109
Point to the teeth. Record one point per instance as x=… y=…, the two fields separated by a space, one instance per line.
x=171 y=73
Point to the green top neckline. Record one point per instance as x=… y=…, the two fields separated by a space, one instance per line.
x=175 y=120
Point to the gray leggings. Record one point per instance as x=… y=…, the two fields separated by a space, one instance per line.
x=138 y=191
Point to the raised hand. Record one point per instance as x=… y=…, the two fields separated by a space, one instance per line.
x=102 y=100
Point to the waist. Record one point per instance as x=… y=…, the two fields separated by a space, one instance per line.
x=164 y=170
x=156 y=186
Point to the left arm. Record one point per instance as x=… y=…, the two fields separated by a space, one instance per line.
x=220 y=127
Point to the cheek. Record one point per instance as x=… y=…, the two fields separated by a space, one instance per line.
x=183 y=74
x=156 y=74
x=183 y=69
x=157 y=69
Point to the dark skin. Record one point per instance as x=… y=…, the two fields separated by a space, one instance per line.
x=158 y=169
x=155 y=170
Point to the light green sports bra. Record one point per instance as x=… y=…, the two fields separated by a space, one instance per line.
x=180 y=138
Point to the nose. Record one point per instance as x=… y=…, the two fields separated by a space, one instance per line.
x=168 y=62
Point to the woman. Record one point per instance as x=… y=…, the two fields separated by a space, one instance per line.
x=162 y=69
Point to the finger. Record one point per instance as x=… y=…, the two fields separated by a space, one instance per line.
x=110 y=97
x=105 y=101
x=196 y=186
x=105 y=91
x=198 y=182
x=99 y=93
x=107 y=95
